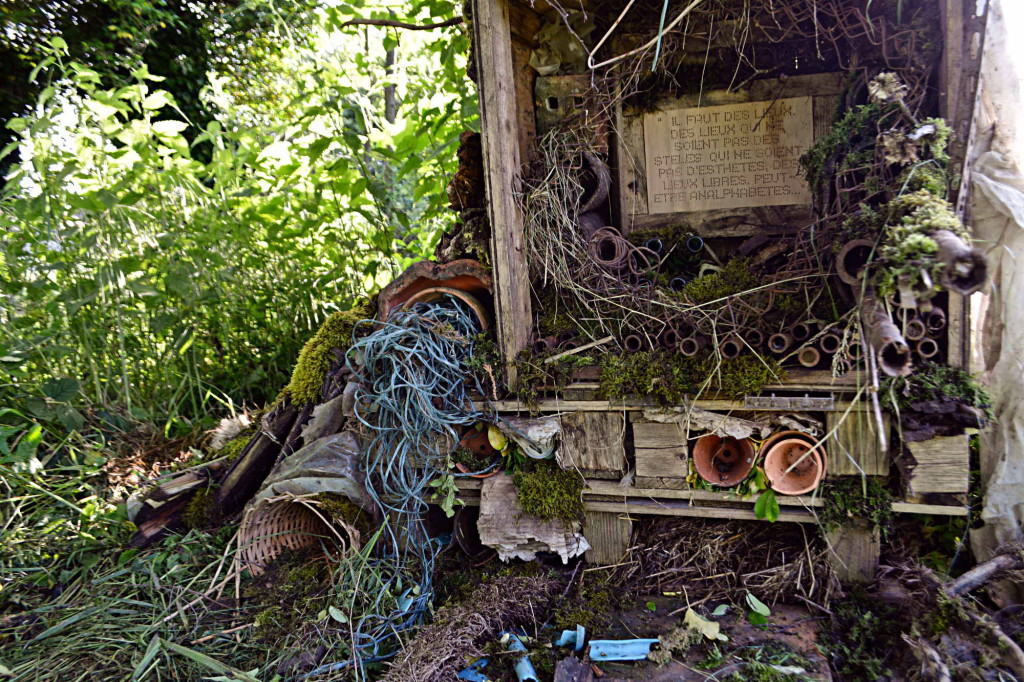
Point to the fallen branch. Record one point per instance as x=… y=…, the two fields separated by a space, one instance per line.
x=391 y=23
x=982 y=573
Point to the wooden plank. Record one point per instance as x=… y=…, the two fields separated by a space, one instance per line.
x=853 y=553
x=594 y=443
x=636 y=404
x=606 y=491
x=608 y=535
x=856 y=438
x=502 y=158
x=679 y=508
x=631 y=171
x=660 y=451
x=524 y=24
x=937 y=465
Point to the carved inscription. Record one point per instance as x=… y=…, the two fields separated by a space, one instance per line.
x=729 y=156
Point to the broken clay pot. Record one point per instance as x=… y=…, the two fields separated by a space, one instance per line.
x=723 y=461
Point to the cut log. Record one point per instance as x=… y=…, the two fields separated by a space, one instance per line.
x=884 y=338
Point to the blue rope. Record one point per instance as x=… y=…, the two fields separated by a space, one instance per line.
x=413 y=370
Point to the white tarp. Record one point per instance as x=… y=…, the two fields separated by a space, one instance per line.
x=997 y=217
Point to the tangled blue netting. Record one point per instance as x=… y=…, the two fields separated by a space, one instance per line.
x=413 y=398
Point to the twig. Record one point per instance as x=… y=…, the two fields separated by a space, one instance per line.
x=391 y=23
x=579 y=349
x=229 y=631
x=981 y=573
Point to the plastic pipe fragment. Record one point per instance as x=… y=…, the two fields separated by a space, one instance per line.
x=809 y=357
x=694 y=244
x=884 y=338
x=474 y=673
x=620 y=649
x=523 y=667
x=692 y=344
x=927 y=348
x=574 y=638
x=966 y=267
x=780 y=343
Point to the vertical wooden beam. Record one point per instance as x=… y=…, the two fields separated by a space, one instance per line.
x=498 y=119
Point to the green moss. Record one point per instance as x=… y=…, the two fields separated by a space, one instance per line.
x=864 y=637
x=735 y=278
x=846 y=499
x=340 y=507
x=844 y=147
x=908 y=246
x=934 y=382
x=590 y=605
x=535 y=375
x=288 y=595
x=924 y=178
x=549 y=492
x=677 y=641
x=203 y=511
x=671 y=377
x=315 y=358
x=234 y=447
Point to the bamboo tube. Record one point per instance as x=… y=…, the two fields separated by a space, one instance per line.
x=692 y=344
x=935 y=319
x=884 y=338
x=927 y=348
x=803 y=331
x=853 y=259
x=809 y=357
x=966 y=266
x=829 y=343
x=915 y=329
x=543 y=345
x=753 y=337
x=669 y=339
x=780 y=343
x=730 y=347
x=633 y=343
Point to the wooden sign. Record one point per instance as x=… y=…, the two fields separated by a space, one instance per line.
x=729 y=156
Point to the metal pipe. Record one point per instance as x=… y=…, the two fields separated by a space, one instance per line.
x=691 y=345
x=780 y=343
x=633 y=343
x=927 y=348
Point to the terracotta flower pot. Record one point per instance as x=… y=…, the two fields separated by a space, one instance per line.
x=804 y=477
x=767 y=444
x=478 y=442
x=436 y=293
x=723 y=461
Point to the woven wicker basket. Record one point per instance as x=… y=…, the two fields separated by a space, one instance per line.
x=277 y=525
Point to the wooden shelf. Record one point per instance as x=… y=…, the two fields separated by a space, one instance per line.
x=638 y=404
x=608 y=496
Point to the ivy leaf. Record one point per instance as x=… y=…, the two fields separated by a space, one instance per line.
x=767 y=506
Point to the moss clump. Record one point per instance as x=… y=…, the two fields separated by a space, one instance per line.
x=590 y=605
x=203 y=511
x=549 y=492
x=935 y=382
x=328 y=345
x=677 y=641
x=927 y=178
x=234 y=447
x=671 y=377
x=535 y=375
x=340 y=507
x=853 y=132
x=735 y=278
x=846 y=499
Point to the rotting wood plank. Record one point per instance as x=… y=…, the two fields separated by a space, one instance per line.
x=937 y=465
x=660 y=451
x=608 y=535
x=594 y=443
x=501 y=151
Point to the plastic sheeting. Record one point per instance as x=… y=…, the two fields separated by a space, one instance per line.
x=997 y=218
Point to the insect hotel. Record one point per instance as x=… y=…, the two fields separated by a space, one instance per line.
x=726 y=254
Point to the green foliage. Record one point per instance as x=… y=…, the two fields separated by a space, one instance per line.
x=329 y=345
x=549 y=492
x=935 y=382
x=865 y=633
x=535 y=375
x=849 y=498
x=161 y=280
x=767 y=506
x=852 y=133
